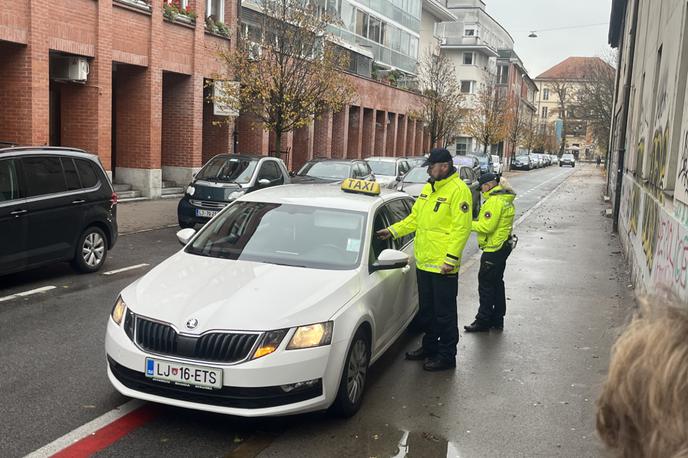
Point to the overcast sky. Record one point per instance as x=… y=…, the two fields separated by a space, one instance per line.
x=550 y=48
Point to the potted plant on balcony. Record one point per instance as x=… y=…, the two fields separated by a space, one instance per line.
x=216 y=27
x=173 y=10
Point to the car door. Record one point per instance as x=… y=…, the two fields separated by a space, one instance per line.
x=407 y=295
x=12 y=218
x=54 y=213
x=383 y=288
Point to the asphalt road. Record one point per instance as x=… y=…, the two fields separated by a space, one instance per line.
x=53 y=371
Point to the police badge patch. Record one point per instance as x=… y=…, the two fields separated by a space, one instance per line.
x=488 y=215
x=464 y=207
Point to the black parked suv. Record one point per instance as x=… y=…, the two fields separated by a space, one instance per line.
x=56 y=204
x=222 y=180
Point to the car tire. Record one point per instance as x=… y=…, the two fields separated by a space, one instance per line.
x=91 y=250
x=185 y=225
x=352 y=386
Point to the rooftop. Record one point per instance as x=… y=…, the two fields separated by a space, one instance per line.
x=574 y=68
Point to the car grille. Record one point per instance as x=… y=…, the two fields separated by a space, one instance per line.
x=207 y=204
x=225 y=347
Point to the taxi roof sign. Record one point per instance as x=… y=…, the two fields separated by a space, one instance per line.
x=371 y=188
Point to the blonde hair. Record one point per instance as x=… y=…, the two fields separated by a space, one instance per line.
x=643 y=408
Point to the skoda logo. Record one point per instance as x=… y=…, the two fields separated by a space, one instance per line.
x=192 y=323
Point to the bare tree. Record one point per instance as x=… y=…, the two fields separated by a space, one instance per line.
x=441 y=108
x=517 y=124
x=487 y=118
x=596 y=97
x=564 y=93
x=289 y=73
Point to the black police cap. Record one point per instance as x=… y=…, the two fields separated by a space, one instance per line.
x=437 y=156
x=487 y=177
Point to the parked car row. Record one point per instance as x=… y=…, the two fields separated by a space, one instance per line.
x=534 y=161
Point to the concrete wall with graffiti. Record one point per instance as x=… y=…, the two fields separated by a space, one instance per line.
x=653 y=211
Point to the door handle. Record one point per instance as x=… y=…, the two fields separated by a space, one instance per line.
x=17 y=212
x=78 y=201
x=405 y=270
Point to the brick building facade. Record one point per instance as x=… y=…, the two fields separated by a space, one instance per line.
x=144 y=106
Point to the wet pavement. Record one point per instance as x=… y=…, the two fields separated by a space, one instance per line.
x=528 y=391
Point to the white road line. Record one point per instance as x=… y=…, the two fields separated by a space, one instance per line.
x=86 y=430
x=27 y=293
x=476 y=257
x=124 y=269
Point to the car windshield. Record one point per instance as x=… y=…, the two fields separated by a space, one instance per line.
x=463 y=160
x=415 y=161
x=567 y=156
x=522 y=158
x=383 y=167
x=417 y=175
x=228 y=169
x=483 y=160
x=326 y=170
x=291 y=235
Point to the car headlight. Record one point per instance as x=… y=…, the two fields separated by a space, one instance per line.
x=190 y=190
x=312 y=335
x=118 y=310
x=269 y=343
x=235 y=195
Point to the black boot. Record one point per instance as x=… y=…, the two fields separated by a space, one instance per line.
x=439 y=364
x=418 y=354
x=477 y=326
x=497 y=324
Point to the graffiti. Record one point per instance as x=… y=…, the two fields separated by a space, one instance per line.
x=671 y=263
x=640 y=157
x=682 y=179
x=634 y=210
x=649 y=232
x=658 y=161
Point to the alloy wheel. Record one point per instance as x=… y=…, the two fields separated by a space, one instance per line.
x=93 y=249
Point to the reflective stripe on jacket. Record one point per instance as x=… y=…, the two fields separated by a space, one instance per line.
x=441 y=219
x=496 y=219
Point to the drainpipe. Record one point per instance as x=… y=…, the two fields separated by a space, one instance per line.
x=624 y=119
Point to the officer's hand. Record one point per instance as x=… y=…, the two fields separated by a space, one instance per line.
x=383 y=234
x=446 y=268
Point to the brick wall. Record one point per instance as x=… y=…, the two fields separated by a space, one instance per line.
x=15 y=100
x=217 y=139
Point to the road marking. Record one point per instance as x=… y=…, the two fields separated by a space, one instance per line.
x=99 y=433
x=476 y=257
x=124 y=269
x=42 y=289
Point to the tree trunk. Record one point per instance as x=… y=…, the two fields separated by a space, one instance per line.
x=278 y=144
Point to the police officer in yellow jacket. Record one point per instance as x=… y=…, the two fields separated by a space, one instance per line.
x=441 y=219
x=493 y=227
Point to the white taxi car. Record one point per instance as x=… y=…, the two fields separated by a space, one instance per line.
x=277 y=306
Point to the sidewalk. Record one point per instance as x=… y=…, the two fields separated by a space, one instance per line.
x=146 y=215
x=567 y=287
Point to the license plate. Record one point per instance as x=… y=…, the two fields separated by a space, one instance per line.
x=184 y=374
x=206 y=213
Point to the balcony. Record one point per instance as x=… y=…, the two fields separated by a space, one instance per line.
x=468 y=42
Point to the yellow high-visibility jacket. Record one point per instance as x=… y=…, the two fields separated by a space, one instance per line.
x=441 y=219
x=496 y=219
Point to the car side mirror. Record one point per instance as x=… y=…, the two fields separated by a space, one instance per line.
x=185 y=235
x=390 y=260
x=400 y=177
x=292 y=173
x=264 y=182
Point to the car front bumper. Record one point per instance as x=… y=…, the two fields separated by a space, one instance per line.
x=250 y=389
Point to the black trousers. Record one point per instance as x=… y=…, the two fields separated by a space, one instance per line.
x=437 y=315
x=491 y=286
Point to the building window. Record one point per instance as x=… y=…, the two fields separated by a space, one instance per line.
x=469 y=32
x=462 y=144
x=545 y=112
x=374 y=26
x=545 y=94
x=468 y=58
x=467 y=87
x=502 y=74
x=215 y=9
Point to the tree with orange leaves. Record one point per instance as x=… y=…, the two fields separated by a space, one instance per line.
x=289 y=73
x=487 y=118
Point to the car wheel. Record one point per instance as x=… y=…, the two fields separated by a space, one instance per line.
x=185 y=225
x=91 y=250
x=352 y=383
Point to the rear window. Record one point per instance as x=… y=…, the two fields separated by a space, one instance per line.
x=43 y=176
x=87 y=172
